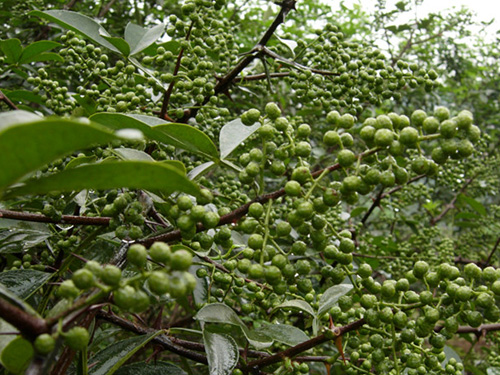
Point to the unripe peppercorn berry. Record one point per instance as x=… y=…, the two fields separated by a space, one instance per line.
x=272 y=111
x=83 y=279
x=137 y=255
x=160 y=252
x=76 y=338
x=181 y=260
x=44 y=344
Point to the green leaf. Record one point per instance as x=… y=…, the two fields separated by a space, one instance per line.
x=29 y=146
x=75 y=162
x=24 y=283
x=222 y=353
x=474 y=204
x=283 y=333
x=467 y=215
x=201 y=169
x=47 y=56
x=331 y=296
x=87 y=103
x=358 y=211
x=450 y=353
x=24 y=95
x=78 y=23
x=233 y=134
x=109 y=360
x=120 y=44
x=17 y=355
x=35 y=49
x=16 y=117
x=132 y=154
x=21 y=237
x=111 y=175
x=189 y=138
x=140 y=38
x=12 y=50
x=296 y=304
x=180 y=135
x=221 y=313
x=14 y=300
x=152 y=368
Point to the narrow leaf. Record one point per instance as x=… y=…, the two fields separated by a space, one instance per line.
x=111 y=175
x=132 y=154
x=222 y=353
x=474 y=204
x=109 y=360
x=233 y=134
x=24 y=283
x=331 y=296
x=12 y=50
x=284 y=333
x=29 y=146
x=296 y=304
x=180 y=135
x=35 y=49
x=140 y=38
x=78 y=23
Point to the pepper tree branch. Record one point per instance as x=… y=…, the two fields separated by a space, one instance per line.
x=29 y=325
x=6 y=100
x=451 y=205
x=225 y=82
x=66 y=219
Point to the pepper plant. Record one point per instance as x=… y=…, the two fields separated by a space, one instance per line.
x=213 y=187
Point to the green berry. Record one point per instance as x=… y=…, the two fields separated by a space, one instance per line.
x=272 y=111
x=293 y=188
x=418 y=117
x=44 y=344
x=159 y=282
x=77 y=338
x=346 y=158
x=137 y=255
x=111 y=275
x=67 y=289
x=420 y=269
x=442 y=113
x=181 y=260
x=83 y=279
x=160 y=252
x=408 y=136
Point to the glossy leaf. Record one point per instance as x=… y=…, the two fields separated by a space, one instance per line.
x=182 y=136
x=110 y=359
x=17 y=355
x=29 y=146
x=14 y=300
x=283 y=333
x=221 y=313
x=296 y=304
x=140 y=38
x=111 y=175
x=132 y=154
x=331 y=296
x=120 y=44
x=78 y=23
x=35 y=49
x=23 y=283
x=233 y=134
x=12 y=50
x=201 y=169
x=151 y=368
x=222 y=353
x=17 y=239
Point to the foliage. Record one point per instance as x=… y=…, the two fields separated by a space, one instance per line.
x=220 y=187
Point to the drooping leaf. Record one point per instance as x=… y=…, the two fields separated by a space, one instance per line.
x=23 y=95
x=140 y=38
x=474 y=204
x=222 y=352
x=17 y=355
x=283 y=333
x=35 y=49
x=23 y=283
x=111 y=175
x=12 y=50
x=179 y=135
x=296 y=304
x=331 y=296
x=47 y=56
x=17 y=239
x=29 y=146
x=151 y=368
x=233 y=134
x=110 y=359
x=120 y=44
x=201 y=169
x=221 y=313
x=78 y=23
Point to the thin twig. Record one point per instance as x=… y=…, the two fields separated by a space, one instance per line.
x=7 y=101
x=495 y=247
x=66 y=219
x=106 y=8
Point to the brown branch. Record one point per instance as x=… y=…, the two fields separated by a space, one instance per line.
x=7 y=101
x=30 y=326
x=306 y=345
x=170 y=89
x=225 y=82
x=381 y=195
x=70 y=5
x=163 y=340
x=451 y=205
x=495 y=247
x=66 y=219
x=106 y=9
